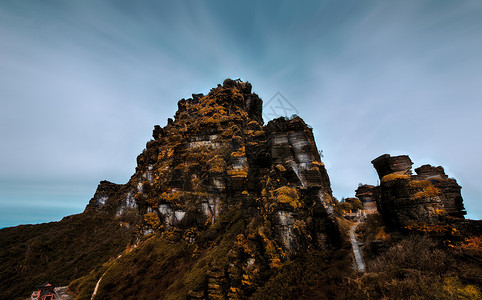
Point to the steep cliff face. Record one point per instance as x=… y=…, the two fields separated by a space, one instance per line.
x=405 y=200
x=216 y=156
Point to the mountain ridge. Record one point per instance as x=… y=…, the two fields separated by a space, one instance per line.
x=223 y=206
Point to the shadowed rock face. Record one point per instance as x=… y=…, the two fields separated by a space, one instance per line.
x=404 y=199
x=216 y=155
x=366 y=193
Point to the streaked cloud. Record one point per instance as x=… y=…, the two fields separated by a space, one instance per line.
x=83 y=83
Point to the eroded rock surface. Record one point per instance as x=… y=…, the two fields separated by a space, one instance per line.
x=406 y=200
x=449 y=189
x=386 y=164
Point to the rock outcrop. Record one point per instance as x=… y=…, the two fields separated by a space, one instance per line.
x=405 y=200
x=386 y=164
x=214 y=156
x=448 y=187
x=367 y=195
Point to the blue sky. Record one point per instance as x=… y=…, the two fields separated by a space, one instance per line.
x=82 y=83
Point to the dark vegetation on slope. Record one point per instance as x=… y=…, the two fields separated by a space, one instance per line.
x=313 y=275
x=407 y=265
x=58 y=251
x=164 y=266
x=418 y=264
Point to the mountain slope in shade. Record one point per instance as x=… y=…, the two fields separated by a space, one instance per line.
x=57 y=252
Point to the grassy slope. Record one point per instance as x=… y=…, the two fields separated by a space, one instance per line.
x=57 y=252
x=161 y=268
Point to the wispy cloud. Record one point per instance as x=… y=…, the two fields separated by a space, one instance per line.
x=83 y=83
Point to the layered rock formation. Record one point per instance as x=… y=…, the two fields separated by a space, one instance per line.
x=214 y=156
x=386 y=164
x=449 y=189
x=404 y=199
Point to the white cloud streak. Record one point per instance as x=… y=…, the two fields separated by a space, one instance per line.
x=83 y=83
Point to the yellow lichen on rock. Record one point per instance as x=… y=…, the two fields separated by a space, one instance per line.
x=287 y=195
x=152 y=219
x=426 y=189
x=395 y=176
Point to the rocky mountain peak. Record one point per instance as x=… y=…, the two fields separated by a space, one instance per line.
x=216 y=154
x=233 y=98
x=216 y=157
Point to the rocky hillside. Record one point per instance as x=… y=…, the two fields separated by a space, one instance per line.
x=223 y=206
x=217 y=154
x=216 y=169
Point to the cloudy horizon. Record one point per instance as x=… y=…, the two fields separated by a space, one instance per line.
x=84 y=83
